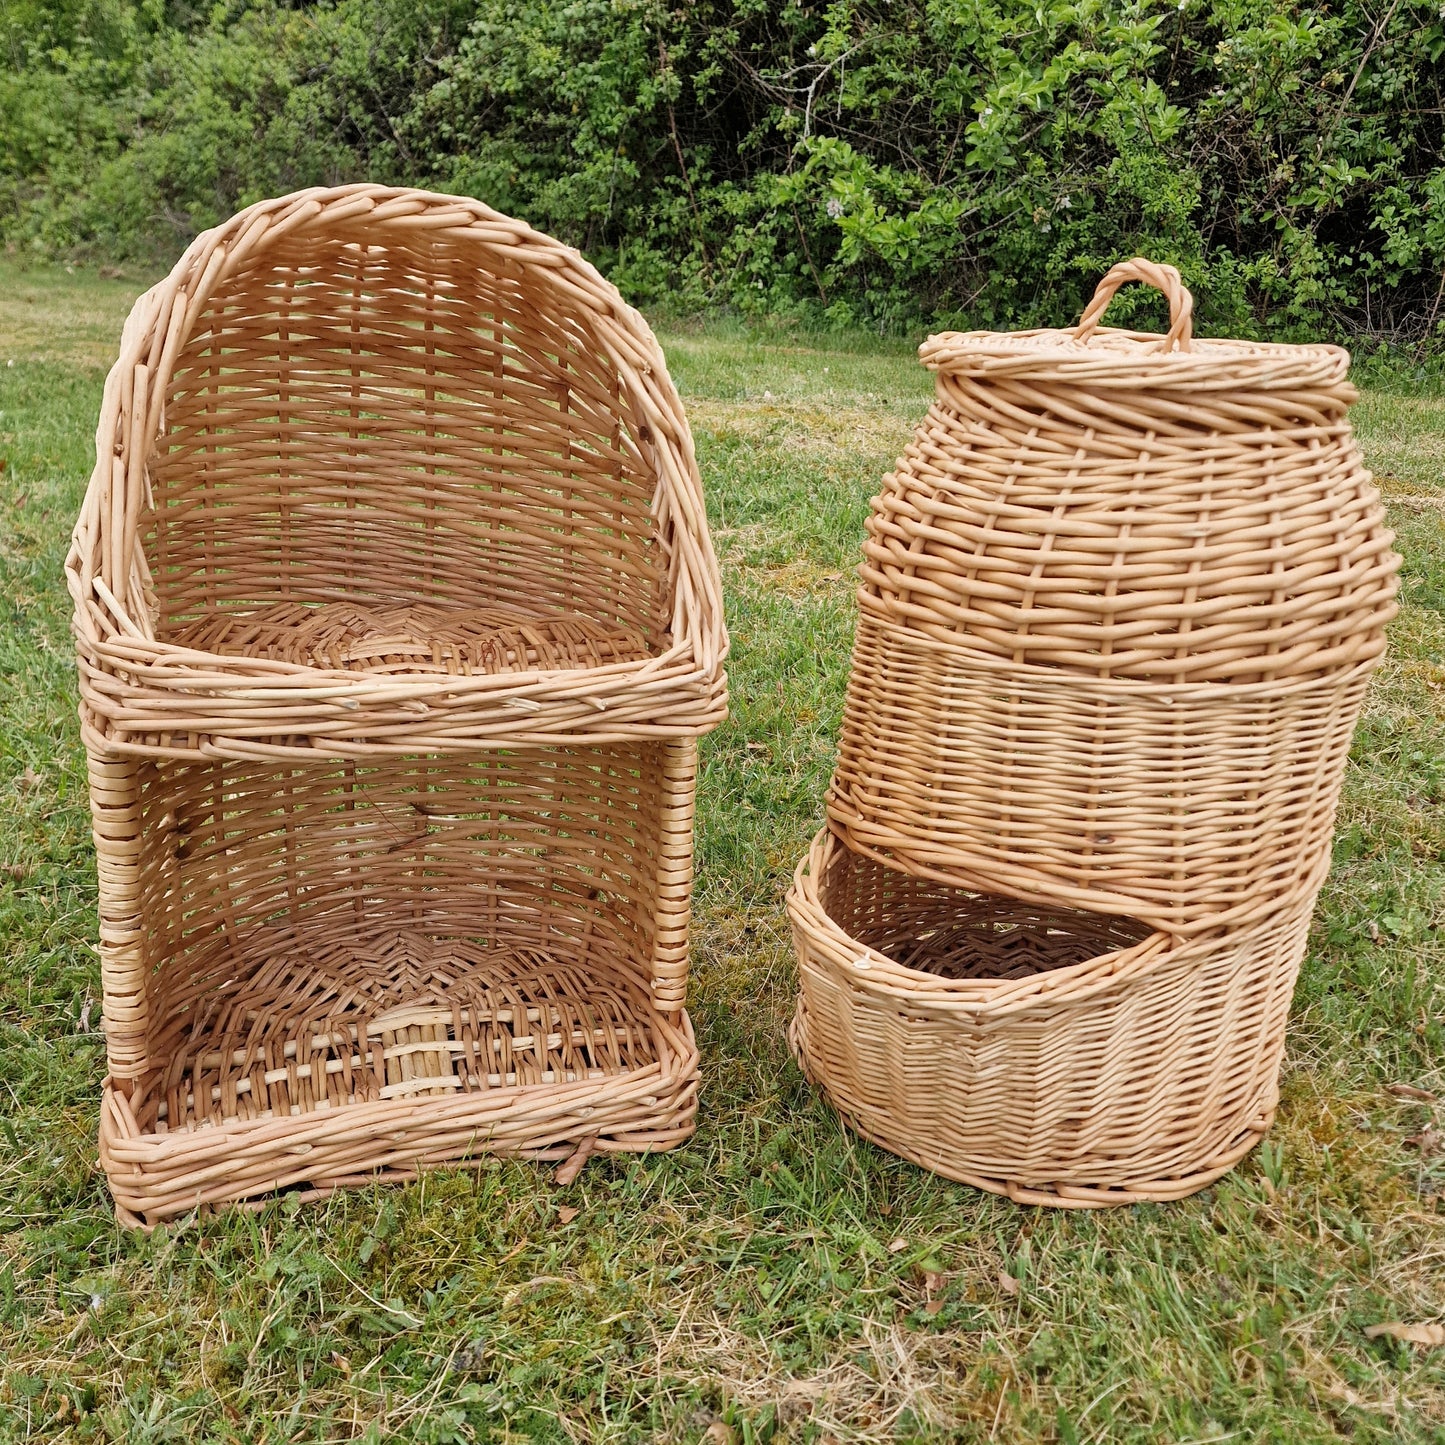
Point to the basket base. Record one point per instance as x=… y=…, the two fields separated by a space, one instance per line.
x=1054 y=1194
x=373 y=1060
x=402 y=639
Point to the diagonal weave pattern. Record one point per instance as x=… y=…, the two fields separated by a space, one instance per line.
x=394 y=1017
x=959 y=935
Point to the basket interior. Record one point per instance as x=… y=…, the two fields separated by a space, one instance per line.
x=324 y=1018
x=400 y=637
x=403 y=452
x=329 y=934
x=958 y=934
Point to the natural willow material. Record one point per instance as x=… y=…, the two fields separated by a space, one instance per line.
x=314 y=973
x=397 y=619
x=383 y=470
x=1054 y=1056
x=1120 y=601
x=1119 y=605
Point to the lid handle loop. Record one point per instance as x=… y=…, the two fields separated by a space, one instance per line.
x=1162 y=278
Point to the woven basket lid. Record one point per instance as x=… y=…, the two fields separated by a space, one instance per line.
x=1095 y=356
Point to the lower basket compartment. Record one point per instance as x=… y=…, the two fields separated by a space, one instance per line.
x=310 y=1078
x=334 y=974
x=1054 y=1056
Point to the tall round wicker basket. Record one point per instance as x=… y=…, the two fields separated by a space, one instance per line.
x=1119 y=605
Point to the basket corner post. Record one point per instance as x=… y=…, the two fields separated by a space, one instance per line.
x=674 y=875
x=115 y=810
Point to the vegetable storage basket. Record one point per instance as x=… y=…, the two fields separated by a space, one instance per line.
x=1119 y=604
x=397 y=619
x=1053 y=1055
x=384 y=470
x=336 y=972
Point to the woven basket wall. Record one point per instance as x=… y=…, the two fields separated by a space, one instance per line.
x=337 y=971
x=384 y=470
x=1055 y=1056
x=1119 y=604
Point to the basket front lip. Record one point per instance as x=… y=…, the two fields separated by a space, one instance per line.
x=166 y=668
x=127 y=1153
x=1119 y=358
x=240 y=716
x=384 y=1115
x=875 y=972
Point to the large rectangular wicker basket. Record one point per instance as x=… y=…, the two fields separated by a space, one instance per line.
x=397 y=620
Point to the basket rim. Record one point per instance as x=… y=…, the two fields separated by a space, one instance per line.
x=874 y=972
x=274 y=679
x=159 y=1146
x=1113 y=356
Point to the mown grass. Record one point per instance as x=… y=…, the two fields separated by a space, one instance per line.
x=777 y=1275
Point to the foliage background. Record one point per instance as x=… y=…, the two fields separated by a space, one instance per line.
x=879 y=161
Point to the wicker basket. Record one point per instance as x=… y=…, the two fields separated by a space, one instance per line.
x=1119 y=606
x=397 y=619
x=380 y=471
x=1120 y=602
x=320 y=974
x=1055 y=1056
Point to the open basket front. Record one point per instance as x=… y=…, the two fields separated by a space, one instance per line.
x=319 y=975
x=1119 y=604
x=381 y=471
x=1056 y=1056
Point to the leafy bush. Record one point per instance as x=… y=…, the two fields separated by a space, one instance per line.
x=863 y=161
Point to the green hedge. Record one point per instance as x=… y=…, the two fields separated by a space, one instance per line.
x=936 y=160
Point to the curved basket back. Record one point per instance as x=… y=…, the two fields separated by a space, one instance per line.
x=371 y=394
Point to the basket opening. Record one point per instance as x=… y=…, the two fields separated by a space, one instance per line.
x=329 y=934
x=399 y=637
x=413 y=453
x=959 y=934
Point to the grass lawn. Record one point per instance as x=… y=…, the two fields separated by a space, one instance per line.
x=771 y=1275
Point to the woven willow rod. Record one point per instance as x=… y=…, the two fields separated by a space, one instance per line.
x=316 y=974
